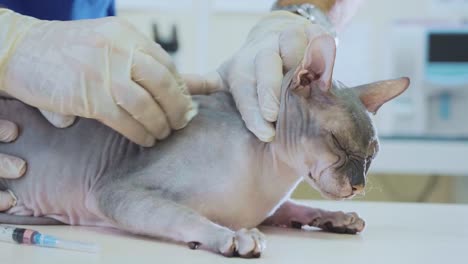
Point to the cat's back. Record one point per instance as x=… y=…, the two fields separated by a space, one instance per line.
x=94 y=147
x=218 y=110
x=64 y=165
x=211 y=133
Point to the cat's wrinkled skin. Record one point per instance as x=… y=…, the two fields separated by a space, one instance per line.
x=210 y=184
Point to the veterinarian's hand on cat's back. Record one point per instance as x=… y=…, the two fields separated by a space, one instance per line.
x=10 y=167
x=102 y=69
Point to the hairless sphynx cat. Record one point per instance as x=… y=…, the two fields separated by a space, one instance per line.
x=213 y=182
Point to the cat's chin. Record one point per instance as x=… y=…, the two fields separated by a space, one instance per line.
x=331 y=196
x=325 y=194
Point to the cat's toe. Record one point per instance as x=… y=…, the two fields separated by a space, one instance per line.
x=244 y=243
x=343 y=223
x=251 y=243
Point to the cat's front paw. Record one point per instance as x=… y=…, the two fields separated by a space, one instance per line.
x=244 y=243
x=339 y=222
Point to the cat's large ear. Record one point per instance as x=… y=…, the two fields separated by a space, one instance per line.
x=374 y=95
x=316 y=68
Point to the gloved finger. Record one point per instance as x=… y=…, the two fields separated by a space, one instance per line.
x=313 y=31
x=245 y=95
x=203 y=84
x=8 y=131
x=171 y=94
x=11 y=167
x=6 y=201
x=58 y=120
x=160 y=55
x=143 y=108
x=292 y=45
x=126 y=125
x=269 y=73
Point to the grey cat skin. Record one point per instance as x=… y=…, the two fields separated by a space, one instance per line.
x=210 y=184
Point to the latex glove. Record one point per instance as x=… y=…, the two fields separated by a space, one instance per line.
x=254 y=74
x=10 y=167
x=102 y=69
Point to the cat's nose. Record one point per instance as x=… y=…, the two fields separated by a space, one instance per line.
x=358 y=182
x=358 y=189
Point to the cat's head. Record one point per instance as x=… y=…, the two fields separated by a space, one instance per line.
x=326 y=128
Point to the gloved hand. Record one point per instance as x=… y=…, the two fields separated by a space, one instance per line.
x=102 y=69
x=10 y=167
x=254 y=74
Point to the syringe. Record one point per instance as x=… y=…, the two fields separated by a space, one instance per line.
x=32 y=237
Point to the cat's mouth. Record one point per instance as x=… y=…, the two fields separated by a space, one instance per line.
x=326 y=193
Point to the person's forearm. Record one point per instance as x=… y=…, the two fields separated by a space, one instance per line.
x=339 y=11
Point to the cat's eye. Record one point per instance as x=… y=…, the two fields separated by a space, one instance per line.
x=336 y=142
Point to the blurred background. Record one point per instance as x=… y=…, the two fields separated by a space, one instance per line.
x=424 y=134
